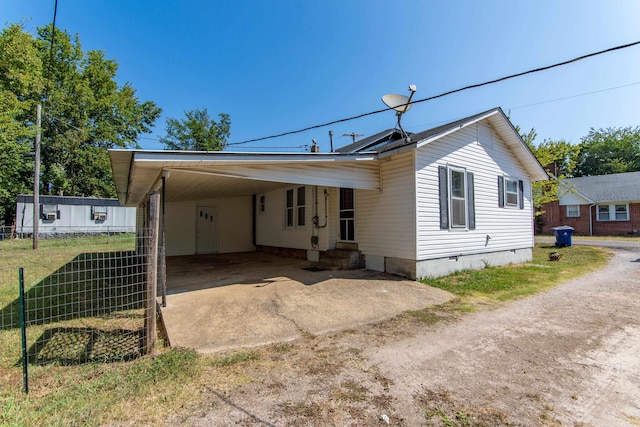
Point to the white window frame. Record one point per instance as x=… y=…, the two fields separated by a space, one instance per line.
x=464 y=198
x=507 y=193
x=296 y=211
x=289 y=209
x=612 y=212
x=351 y=219
x=575 y=214
x=301 y=210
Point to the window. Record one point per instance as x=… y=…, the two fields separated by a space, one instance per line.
x=261 y=204
x=347 y=215
x=510 y=192
x=622 y=212
x=458 y=199
x=613 y=212
x=49 y=212
x=457 y=205
x=573 y=211
x=295 y=212
x=99 y=213
x=300 y=206
x=603 y=213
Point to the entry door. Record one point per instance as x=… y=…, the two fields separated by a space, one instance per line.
x=347 y=215
x=206 y=230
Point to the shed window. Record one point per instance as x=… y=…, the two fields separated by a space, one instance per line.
x=573 y=211
x=49 y=212
x=262 y=204
x=98 y=213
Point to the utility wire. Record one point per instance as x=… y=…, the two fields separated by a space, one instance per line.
x=473 y=86
x=573 y=96
x=53 y=36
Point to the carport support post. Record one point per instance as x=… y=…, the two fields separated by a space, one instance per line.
x=152 y=273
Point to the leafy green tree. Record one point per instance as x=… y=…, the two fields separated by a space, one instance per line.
x=610 y=150
x=85 y=112
x=559 y=153
x=198 y=132
x=20 y=77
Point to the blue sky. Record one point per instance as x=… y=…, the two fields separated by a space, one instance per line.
x=276 y=66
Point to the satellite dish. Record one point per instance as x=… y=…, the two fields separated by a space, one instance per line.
x=400 y=103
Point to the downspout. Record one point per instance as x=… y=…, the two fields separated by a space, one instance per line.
x=591 y=219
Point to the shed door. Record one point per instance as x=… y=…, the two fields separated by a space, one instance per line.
x=206 y=230
x=347 y=215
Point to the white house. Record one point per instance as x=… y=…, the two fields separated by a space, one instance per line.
x=68 y=215
x=454 y=197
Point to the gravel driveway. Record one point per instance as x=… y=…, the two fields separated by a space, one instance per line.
x=568 y=356
x=572 y=352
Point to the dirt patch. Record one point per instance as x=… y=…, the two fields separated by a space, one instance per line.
x=565 y=357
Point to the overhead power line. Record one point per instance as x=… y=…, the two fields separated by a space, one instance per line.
x=451 y=92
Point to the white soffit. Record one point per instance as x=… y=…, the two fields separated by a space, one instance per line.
x=211 y=175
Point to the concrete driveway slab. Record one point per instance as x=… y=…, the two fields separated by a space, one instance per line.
x=224 y=301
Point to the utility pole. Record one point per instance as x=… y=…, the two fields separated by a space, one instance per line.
x=353 y=135
x=36 y=180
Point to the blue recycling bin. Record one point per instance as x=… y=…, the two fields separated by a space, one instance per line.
x=563 y=235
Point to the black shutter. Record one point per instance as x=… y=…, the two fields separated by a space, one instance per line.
x=471 y=209
x=444 y=198
x=521 y=194
x=501 y=191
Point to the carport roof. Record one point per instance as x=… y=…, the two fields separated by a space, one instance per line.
x=202 y=175
x=196 y=175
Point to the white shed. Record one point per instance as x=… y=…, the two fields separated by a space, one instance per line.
x=74 y=215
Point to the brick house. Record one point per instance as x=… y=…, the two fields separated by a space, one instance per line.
x=602 y=205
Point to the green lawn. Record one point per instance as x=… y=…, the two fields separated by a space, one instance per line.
x=515 y=281
x=148 y=390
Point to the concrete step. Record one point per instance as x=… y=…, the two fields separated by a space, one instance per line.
x=341 y=258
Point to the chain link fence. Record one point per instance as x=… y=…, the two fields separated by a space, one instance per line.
x=84 y=298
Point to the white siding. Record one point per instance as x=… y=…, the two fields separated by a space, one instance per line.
x=235 y=224
x=509 y=228
x=77 y=219
x=270 y=224
x=385 y=220
x=570 y=197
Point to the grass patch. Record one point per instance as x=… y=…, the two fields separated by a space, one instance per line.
x=97 y=394
x=496 y=284
x=350 y=391
x=235 y=358
x=633 y=238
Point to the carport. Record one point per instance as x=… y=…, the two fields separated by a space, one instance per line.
x=176 y=192
x=223 y=301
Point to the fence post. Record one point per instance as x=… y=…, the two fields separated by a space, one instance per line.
x=23 y=330
x=152 y=272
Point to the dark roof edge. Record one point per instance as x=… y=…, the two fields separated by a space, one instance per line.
x=69 y=200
